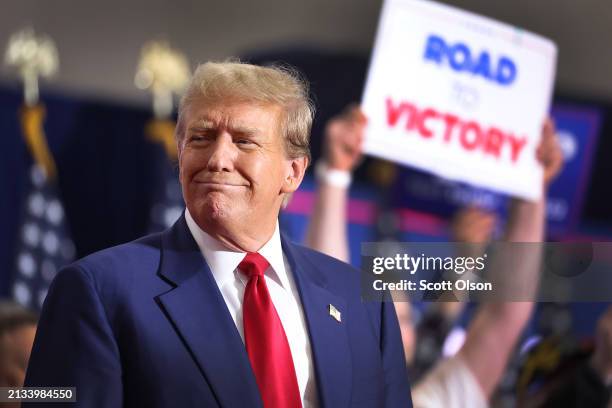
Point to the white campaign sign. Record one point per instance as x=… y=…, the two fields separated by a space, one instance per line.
x=459 y=95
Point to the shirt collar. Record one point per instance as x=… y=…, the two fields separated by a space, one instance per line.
x=224 y=261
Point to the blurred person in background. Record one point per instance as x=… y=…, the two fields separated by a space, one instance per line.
x=470 y=225
x=601 y=360
x=469 y=378
x=563 y=373
x=328 y=227
x=17 y=330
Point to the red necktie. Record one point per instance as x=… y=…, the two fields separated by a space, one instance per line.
x=265 y=339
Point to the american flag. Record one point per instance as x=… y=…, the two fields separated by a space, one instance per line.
x=44 y=243
x=168 y=204
x=168 y=201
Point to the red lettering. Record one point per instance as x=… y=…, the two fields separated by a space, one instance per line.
x=475 y=130
x=395 y=112
x=495 y=139
x=516 y=146
x=450 y=121
x=427 y=114
x=490 y=141
x=412 y=119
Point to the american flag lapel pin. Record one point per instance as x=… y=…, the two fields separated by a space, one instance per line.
x=335 y=313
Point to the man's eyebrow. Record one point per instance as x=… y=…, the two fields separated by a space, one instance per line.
x=202 y=124
x=244 y=130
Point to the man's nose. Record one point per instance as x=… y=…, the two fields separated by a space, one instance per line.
x=223 y=154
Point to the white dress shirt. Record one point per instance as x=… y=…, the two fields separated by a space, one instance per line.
x=223 y=264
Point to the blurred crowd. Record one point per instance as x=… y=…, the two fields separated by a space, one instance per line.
x=471 y=374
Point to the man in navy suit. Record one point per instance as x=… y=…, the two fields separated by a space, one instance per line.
x=221 y=310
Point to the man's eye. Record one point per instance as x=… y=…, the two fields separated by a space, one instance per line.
x=244 y=142
x=196 y=138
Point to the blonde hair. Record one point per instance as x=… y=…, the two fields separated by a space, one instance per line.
x=233 y=80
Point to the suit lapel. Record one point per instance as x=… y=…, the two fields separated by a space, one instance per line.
x=328 y=337
x=200 y=317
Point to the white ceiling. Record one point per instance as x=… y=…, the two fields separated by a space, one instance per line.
x=99 y=41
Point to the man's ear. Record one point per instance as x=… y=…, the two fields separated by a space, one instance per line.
x=179 y=156
x=295 y=174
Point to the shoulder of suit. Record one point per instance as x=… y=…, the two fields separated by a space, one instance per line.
x=321 y=257
x=329 y=263
x=122 y=261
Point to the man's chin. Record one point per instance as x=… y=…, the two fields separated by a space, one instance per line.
x=215 y=210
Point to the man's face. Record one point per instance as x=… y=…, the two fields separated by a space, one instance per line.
x=233 y=167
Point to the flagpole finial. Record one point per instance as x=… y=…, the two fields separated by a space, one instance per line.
x=33 y=56
x=163 y=71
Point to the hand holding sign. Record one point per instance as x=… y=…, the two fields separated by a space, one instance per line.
x=459 y=95
x=344 y=139
x=549 y=152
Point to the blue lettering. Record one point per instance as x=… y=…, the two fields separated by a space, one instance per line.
x=460 y=58
x=483 y=66
x=435 y=49
x=506 y=71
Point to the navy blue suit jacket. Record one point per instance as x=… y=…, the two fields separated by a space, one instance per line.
x=144 y=325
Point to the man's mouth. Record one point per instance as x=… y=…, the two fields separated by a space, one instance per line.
x=218 y=184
